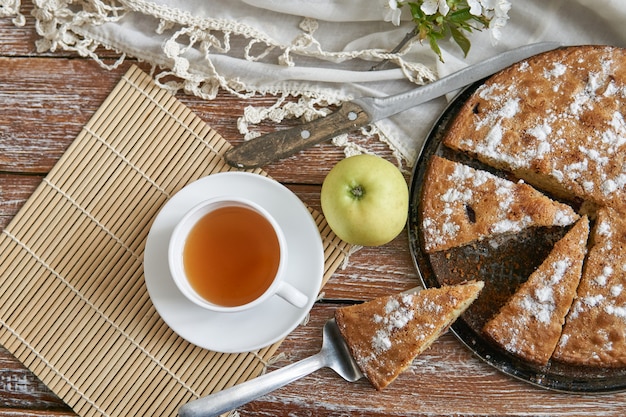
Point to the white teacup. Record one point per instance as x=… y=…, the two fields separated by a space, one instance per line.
x=228 y=254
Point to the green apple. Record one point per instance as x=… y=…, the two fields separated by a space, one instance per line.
x=365 y=200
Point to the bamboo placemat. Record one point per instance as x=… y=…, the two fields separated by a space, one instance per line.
x=73 y=304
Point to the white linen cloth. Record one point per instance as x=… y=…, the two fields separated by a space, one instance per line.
x=317 y=50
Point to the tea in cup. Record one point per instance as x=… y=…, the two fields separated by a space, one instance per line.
x=229 y=254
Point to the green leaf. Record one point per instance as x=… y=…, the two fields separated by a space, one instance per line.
x=416 y=12
x=456 y=24
x=460 y=16
x=435 y=47
x=460 y=39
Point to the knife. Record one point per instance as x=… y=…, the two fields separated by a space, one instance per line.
x=365 y=110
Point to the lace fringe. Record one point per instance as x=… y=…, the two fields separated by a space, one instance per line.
x=11 y=8
x=60 y=23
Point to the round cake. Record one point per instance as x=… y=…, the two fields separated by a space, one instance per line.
x=556 y=121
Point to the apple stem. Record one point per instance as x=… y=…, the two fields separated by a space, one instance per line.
x=357 y=191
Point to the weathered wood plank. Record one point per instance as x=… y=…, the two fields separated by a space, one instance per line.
x=45 y=99
x=14 y=191
x=18 y=41
x=45 y=102
x=20 y=389
x=21 y=40
x=10 y=412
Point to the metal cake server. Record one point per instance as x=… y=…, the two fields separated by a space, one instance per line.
x=365 y=110
x=334 y=354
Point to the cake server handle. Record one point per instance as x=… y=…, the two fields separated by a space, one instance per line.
x=334 y=354
x=238 y=395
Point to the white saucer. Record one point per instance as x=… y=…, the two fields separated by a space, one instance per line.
x=260 y=326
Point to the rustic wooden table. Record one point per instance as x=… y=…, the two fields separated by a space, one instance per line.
x=45 y=99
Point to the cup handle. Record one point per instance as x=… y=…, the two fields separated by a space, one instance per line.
x=292 y=295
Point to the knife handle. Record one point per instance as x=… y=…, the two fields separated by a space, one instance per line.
x=277 y=145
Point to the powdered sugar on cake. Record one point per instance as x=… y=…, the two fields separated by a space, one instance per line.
x=398 y=313
x=529 y=324
x=600 y=306
x=455 y=211
x=563 y=120
x=538 y=306
x=604 y=288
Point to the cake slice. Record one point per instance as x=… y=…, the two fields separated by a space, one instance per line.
x=595 y=328
x=385 y=335
x=530 y=323
x=461 y=204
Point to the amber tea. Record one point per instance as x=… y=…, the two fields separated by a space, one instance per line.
x=231 y=256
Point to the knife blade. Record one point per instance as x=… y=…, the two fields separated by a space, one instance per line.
x=365 y=110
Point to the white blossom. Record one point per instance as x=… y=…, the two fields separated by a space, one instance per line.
x=498 y=20
x=492 y=15
x=497 y=11
x=392 y=12
x=476 y=7
x=430 y=7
